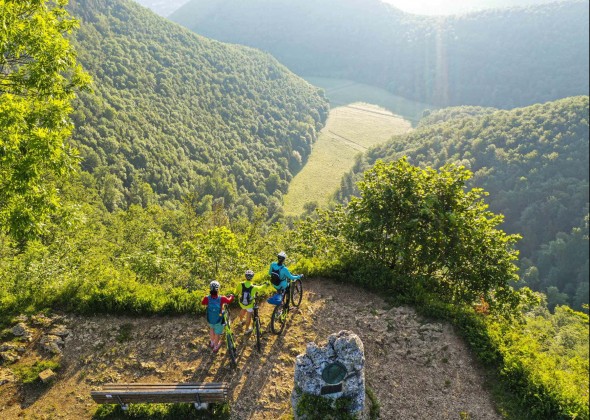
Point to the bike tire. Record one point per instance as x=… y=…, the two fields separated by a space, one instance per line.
x=297 y=288
x=258 y=335
x=278 y=319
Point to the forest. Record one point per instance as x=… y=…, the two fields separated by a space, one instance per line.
x=172 y=114
x=183 y=157
x=533 y=162
x=488 y=58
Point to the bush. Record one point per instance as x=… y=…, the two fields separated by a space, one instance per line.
x=162 y=412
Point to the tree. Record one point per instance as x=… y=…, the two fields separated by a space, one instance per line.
x=38 y=76
x=422 y=223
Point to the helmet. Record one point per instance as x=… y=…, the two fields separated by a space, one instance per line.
x=214 y=286
x=249 y=274
x=281 y=255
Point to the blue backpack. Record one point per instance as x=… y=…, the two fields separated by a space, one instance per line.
x=214 y=310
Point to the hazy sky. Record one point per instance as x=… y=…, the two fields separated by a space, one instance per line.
x=447 y=7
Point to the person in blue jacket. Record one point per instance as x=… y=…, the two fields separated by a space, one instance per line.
x=280 y=274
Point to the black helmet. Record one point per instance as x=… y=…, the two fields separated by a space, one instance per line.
x=249 y=274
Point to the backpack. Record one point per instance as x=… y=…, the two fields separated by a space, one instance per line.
x=246 y=297
x=275 y=275
x=214 y=310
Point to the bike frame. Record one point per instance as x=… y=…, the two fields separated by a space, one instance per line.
x=229 y=336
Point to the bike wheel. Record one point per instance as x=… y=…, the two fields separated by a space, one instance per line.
x=278 y=319
x=258 y=335
x=232 y=353
x=297 y=288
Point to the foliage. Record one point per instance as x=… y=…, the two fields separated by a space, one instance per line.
x=175 y=115
x=500 y=58
x=162 y=412
x=421 y=223
x=533 y=162
x=38 y=76
x=140 y=261
x=316 y=407
x=541 y=358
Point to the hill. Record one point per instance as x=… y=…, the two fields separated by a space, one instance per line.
x=185 y=114
x=433 y=7
x=500 y=58
x=533 y=161
x=432 y=364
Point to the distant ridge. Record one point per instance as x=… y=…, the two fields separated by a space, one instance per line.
x=501 y=58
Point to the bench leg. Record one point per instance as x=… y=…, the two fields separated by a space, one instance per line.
x=201 y=406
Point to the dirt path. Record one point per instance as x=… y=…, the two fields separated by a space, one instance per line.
x=417 y=369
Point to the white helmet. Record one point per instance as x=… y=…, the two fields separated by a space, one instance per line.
x=249 y=274
x=214 y=286
x=281 y=255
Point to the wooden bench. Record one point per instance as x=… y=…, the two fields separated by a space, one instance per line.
x=199 y=394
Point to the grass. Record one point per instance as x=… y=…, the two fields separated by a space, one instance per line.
x=125 y=333
x=350 y=130
x=374 y=406
x=29 y=374
x=362 y=116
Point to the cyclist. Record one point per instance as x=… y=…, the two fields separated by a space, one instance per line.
x=215 y=304
x=247 y=299
x=280 y=275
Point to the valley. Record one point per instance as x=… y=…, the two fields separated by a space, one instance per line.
x=140 y=160
x=349 y=131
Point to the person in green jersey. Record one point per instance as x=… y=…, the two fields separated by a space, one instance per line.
x=247 y=299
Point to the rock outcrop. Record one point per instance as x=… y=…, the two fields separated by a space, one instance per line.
x=334 y=371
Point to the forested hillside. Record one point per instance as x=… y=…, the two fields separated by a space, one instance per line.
x=501 y=58
x=435 y=7
x=175 y=113
x=534 y=163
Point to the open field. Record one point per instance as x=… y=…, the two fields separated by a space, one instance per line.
x=362 y=116
x=350 y=130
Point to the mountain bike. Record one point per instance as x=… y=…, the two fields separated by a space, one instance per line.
x=257 y=328
x=291 y=296
x=232 y=352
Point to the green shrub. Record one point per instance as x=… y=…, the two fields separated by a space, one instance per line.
x=162 y=412
x=29 y=374
x=316 y=407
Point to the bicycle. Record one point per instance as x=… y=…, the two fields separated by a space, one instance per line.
x=292 y=295
x=257 y=328
x=232 y=352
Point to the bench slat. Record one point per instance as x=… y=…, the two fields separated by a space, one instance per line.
x=164 y=384
x=156 y=399
x=127 y=393
x=170 y=388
